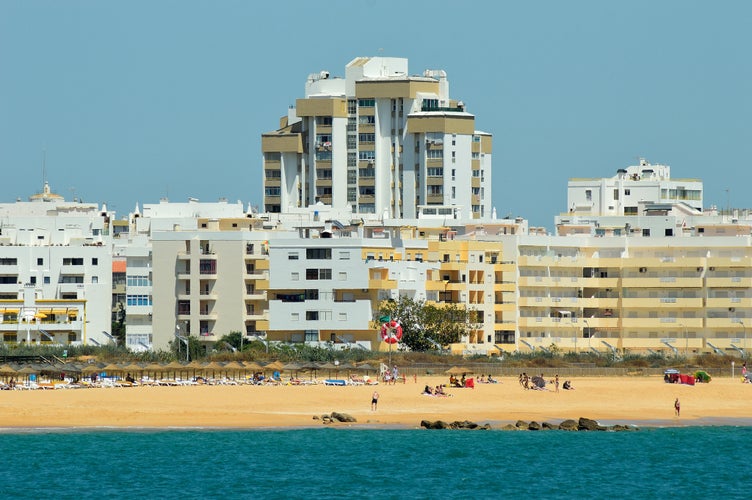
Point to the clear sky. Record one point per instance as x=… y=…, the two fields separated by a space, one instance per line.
x=142 y=99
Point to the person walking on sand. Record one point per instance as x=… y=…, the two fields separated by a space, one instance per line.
x=374 y=400
x=556 y=382
x=677 y=406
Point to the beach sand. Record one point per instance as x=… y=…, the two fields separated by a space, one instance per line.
x=628 y=400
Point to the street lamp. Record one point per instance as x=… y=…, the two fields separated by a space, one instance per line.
x=114 y=340
x=184 y=341
x=744 y=327
x=590 y=335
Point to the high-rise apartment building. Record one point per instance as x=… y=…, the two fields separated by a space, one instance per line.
x=382 y=142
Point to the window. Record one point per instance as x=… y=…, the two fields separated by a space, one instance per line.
x=295 y=276
x=646 y=232
x=344 y=256
x=73 y=261
x=324 y=191
x=137 y=281
x=366 y=103
x=184 y=307
x=323 y=173
x=342 y=276
x=352 y=141
x=616 y=194
x=272 y=174
x=318 y=253
x=435 y=172
x=325 y=274
x=367 y=191
x=367 y=120
x=366 y=155
x=145 y=300
x=367 y=138
x=352 y=194
x=46 y=280
x=342 y=316
x=40 y=262
x=292 y=256
x=207 y=266
x=352 y=161
x=367 y=172
x=94 y=261
x=33 y=280
x=312 y=315
x=294 y=317
x=323 y=155
x=323 y=120
x=627 y=192
x=272 y=191
x=352 y=106
x=433 y=154
x=435 y=190
x=588 y=195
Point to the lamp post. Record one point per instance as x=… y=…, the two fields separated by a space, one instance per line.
x=589 y=336
x=744 y=327
x=185 y=341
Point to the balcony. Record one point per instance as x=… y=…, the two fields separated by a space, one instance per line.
x=661 y=282
x=729 y=302
x=731 y=282
x=661 y=303
x=661 y=324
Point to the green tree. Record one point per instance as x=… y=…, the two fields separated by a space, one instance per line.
x=427 y=326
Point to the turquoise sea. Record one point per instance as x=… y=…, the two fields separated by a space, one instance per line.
x=676 y=463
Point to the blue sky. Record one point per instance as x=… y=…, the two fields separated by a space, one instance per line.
x=134 y=101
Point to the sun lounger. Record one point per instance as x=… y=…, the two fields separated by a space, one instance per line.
x=330 y=381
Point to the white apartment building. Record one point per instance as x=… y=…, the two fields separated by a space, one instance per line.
x=55 y=271
x=382 y=142
x=634 y=191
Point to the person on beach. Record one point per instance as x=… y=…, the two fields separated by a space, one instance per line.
x=677 y=406
x=556 y=382
x=374 y=400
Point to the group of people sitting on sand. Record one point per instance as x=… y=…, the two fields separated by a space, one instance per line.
x=435 y=391
x=487 y=380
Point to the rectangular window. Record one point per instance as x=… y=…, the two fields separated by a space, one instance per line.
x=40 y=262
x=342 y=316
x=342 y=276
x=366 y=103
x=352 y=160
x=324 y=120
x=344 y=256
x=292 y=256
x=33 y=280
x=367 y=138
x=352 y=194
x=272 y=191
x=95 y=279
x=312 y=274
x=367 y=172
x=325 y=274
x=137 y=281
x=73 y=261
x=272 y=174
x=366 y=155
x=46 y=280
x=294 y=317
x=352 y=106
x=323 y=173
x=323 y=156
x=318 y=253
x=184 y=307
x=588 y=195
x=94 y=261
x=145 y=300
x=433 y=154
x=616 y=194
x=367 y=120
x=312 y=315
x=207 y=266
x=295 y=276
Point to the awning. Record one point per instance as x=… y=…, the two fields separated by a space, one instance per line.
x=59 y=311
x=10 y=310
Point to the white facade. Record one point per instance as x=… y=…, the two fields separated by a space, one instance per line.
x=631 y=187
x=381 y=142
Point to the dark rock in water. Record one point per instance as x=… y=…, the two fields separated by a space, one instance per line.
x=548 y=426
x=534 y=426
x=521 y=424
x=438 y=424
x=568 y=425
x=623 y=428
x=463 y=425
x=342 y=417
x=510 y=427
x=588 y=424
x=485 y=427
x=326 y=420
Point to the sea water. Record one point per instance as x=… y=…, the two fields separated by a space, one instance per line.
x=676 y=462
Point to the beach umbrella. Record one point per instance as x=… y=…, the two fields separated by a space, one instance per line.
x=175 y=367
x=456 y=370
x=213 y=367
x=310 y=366
x=329 y=367
x=365 y=367
x=235 y=366
x=275 y=366
x=27 y=370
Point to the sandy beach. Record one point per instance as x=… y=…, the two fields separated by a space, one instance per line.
x=630 y=400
